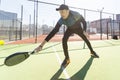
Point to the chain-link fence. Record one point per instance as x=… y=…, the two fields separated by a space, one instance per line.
x=99 y=23
x=9 y=26
x=97 y=20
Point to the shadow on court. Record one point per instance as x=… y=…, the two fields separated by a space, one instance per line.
x=80 y=75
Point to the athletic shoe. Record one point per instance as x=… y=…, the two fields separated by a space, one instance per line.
x=94 y=54
x=65 y=62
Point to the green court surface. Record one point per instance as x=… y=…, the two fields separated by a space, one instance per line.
x=46 y=65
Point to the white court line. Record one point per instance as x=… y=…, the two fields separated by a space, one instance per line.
x=60 y=61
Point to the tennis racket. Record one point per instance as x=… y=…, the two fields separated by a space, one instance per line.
x=19 y=57
x=16 y=58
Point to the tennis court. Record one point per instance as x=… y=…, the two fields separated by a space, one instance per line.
x=46 y=65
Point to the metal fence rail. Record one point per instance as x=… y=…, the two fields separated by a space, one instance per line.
x=98 y=22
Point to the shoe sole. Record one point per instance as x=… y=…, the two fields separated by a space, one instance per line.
x=94 y=56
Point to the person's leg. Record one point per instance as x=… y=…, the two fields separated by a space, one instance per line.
x=87 y=42
x=65 y=47
x=64 y=42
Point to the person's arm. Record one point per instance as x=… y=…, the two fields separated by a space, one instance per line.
x=53 y=32
x=84 y=26
x=84 y=23
x=50 y=35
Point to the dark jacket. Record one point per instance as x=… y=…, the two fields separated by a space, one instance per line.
x=74 y=20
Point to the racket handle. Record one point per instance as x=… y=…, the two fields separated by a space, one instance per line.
x=32 y=52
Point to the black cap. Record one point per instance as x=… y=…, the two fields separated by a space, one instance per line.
x=62 y=7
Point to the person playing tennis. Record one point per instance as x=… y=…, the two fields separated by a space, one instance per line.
x=74 y=22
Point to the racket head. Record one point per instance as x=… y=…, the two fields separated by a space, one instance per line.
x=16 y=58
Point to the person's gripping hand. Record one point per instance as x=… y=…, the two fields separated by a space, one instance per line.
x=39 y=48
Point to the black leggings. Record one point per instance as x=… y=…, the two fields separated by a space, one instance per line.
x=68 y=33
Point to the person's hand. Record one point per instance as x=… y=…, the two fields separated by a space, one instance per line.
x=86 y=34
x=39 y=48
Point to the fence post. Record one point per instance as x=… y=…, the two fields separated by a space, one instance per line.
x=29 y=25
x=101 y=23
x=119 y=30
x=107 y=31
x=36 y=21
x=113 y=25
x=21 y=22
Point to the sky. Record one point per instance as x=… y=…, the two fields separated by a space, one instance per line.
x=48 y=15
